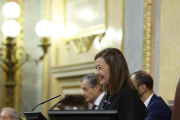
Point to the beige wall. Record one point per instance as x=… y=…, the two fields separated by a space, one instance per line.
x=169 y=48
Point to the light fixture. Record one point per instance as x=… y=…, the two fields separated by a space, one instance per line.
x=11 y=10
x=44 y=29
x=9 y=62
x=11 y=28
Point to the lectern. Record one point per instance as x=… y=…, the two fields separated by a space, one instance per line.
x=36 y=115
x=83 y=115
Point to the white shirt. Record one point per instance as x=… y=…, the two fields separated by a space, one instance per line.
x=148 y=100
x=98 y=100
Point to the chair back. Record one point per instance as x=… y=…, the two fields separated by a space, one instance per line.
x=176 y=108
x=170 y=103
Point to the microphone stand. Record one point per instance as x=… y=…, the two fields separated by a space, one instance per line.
x=45 y=102
x=60 y=101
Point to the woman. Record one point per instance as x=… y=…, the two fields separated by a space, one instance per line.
x=113 y=74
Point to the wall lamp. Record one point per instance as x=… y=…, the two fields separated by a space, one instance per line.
x=8 y=53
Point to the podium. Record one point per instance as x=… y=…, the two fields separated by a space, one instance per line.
x=83 y=115
x=37 y=115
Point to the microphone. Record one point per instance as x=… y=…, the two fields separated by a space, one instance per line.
x=45 y=101
x=60 y=101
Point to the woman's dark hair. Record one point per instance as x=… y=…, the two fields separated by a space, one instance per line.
x=119 y=72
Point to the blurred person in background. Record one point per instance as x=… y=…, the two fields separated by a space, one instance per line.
x=9 y=113
x=91 y=90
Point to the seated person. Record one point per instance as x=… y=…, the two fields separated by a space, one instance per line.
x=157 y=108
x=91 y=90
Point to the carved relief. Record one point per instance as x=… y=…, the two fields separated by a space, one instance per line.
x=147 y=36
x=83 y=44
x=9 y=95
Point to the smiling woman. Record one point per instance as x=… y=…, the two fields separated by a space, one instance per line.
x=102 y=70
x=113 y=74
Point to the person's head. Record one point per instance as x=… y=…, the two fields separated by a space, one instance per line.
x=143 y=82
x=112 y=70
x=91 y=90
x=8 y=113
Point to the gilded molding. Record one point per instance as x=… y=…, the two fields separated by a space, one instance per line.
x=46 y=82
x=147 y=35
x=19 y=53
x=47 y=9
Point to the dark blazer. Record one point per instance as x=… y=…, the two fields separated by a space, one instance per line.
x=101 y=103
x=128 y=104
x=158 y=109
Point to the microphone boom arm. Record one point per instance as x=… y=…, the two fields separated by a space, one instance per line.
x=60 y=101
x=45 y=101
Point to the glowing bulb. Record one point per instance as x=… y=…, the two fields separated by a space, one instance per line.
x=11 y=28
x=11 y=10
x=44 y=28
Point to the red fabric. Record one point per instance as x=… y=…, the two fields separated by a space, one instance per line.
x=93 y=107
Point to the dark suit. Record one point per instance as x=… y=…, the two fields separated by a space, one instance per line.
x=128 y=104
x=158 y=109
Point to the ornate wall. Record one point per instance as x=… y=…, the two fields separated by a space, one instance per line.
x=169 y=48
x=124 y=24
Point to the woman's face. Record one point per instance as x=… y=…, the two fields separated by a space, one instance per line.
x=102 y=70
